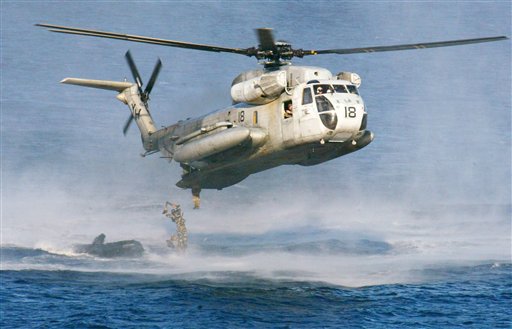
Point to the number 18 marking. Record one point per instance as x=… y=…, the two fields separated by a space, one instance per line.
x=350 y=112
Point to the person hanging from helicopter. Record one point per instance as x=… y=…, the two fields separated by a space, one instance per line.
x=178 y=241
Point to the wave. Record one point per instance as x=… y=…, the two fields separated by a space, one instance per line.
x=447 y=274
x=277 y=256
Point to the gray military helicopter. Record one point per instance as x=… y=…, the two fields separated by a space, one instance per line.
x=281 y=114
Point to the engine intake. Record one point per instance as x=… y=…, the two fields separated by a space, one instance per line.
x=260 y=89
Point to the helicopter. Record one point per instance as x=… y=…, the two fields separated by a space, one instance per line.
x=281 y=114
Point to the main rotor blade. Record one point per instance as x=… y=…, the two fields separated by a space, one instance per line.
x=266 y=39
x=404 y=46
x=143 y=39
x=127 y=124
x=133 y=69
x=154 y=75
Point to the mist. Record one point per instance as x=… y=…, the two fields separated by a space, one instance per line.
x=434 y=188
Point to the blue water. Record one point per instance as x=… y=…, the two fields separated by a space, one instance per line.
x=412 y=231
x=477 y=296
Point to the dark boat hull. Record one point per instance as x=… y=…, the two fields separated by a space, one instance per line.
x=126 y=248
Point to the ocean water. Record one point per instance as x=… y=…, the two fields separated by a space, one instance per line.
x=412 y=231
x=470 y=296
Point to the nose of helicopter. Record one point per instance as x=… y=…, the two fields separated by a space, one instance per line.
x=345 y=118
x=351 y=113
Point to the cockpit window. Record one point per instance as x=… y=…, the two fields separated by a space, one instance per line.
x=307 y=98
x=323 y=89
x=327 y=112
x=323 y=104
x=340 y=89
x=352 y=89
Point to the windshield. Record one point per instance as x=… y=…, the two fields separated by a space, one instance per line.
x=321 y=89
x=326 y=111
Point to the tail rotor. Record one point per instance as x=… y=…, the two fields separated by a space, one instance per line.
x=144 y=94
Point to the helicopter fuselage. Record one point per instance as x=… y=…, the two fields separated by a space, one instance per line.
x=309 y=123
